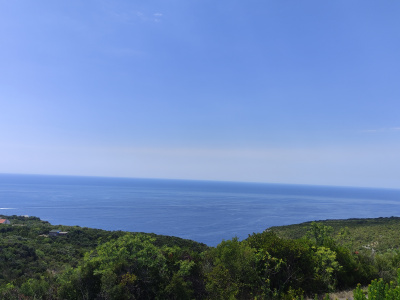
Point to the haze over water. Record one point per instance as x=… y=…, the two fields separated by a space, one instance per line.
x=204 y=211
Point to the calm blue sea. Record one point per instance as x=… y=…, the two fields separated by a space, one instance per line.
x=199 y=210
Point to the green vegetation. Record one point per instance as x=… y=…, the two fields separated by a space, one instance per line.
x=288 y=262
x=379 y=234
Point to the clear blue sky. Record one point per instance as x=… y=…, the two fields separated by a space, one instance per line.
x=304 y=92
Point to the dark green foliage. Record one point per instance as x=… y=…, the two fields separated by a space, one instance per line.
x=320 y=234
x=292 y=266
x=41 y=288
x=131 y=267
x=172 y=241
x=32 y=262
x=86 y=263
x=232 y=273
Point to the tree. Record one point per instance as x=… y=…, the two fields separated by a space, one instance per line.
x=233 y=273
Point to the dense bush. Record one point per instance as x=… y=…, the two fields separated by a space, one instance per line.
x=96 y=264
x=231 y=271
x=131 y=267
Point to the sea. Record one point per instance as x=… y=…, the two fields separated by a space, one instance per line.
x=203 y=211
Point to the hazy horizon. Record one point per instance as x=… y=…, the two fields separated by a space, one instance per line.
x=199 y=180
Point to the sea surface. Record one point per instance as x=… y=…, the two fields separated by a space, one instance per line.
x=204 y=211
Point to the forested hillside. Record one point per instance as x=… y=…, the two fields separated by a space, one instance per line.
x=281 y=263
x=379 y=234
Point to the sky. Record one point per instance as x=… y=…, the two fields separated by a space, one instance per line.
x=299 y=92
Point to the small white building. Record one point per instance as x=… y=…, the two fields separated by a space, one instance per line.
x=4 y=221
x=57 y=232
